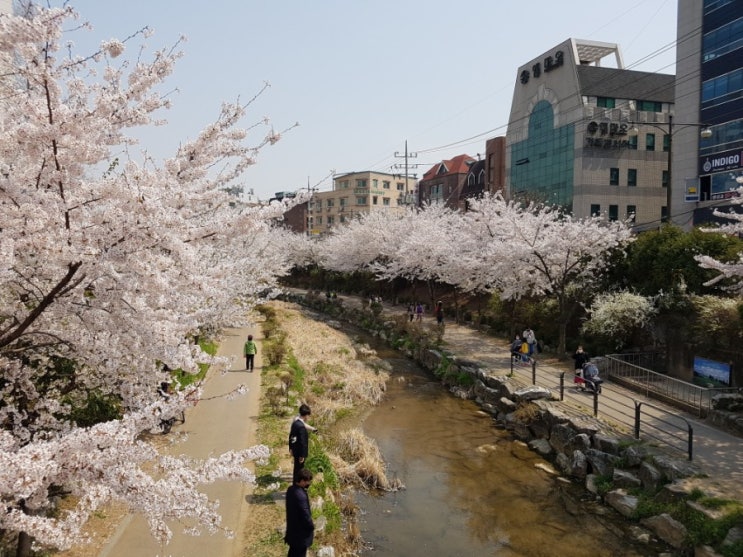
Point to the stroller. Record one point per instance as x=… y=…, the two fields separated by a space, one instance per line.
x=588 y=378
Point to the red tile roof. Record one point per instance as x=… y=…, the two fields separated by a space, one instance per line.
x=457 y=165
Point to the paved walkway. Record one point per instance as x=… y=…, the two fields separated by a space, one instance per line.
x=213 y=427
x=716 y=453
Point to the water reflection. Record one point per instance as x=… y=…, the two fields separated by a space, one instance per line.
x=470 y=489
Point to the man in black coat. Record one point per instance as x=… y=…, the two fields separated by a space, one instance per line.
x=299 y=439
x=300 y=530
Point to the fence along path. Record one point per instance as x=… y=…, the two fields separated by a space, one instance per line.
x=718 y=454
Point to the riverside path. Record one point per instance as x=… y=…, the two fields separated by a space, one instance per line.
x=213 y=426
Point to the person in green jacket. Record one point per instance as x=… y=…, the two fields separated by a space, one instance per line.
x=249 y=350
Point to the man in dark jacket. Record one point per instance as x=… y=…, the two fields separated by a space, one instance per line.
x=300 y=530
x=299 y=439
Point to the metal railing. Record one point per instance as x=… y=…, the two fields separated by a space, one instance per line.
x=662 y=427
x=623 y=369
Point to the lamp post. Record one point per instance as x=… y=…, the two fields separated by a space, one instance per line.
x=705 y=133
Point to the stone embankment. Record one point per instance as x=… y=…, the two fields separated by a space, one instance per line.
x=612 y=466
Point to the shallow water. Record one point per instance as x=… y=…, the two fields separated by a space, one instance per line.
x=471 y=489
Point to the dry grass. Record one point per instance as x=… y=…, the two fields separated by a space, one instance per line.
x=359 y=462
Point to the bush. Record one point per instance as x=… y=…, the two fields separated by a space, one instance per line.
x=275 y=349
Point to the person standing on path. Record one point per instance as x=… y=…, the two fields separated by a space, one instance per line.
x=250 y=350
x=580 y=358
x=299 y=443
x=300 y=529
x=531 y=339
x=440 y=312
x=419 y=312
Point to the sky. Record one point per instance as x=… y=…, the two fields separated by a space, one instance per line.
x=362 y=77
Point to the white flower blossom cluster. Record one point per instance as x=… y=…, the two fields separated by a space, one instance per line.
x=496 y=246
x=617 y=314
x=111 y=268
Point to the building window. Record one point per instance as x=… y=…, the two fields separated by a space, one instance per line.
x=401 y=186
x=632 y=142
x=343 y=218
x=595 y=210
x=631 y=212
x=650 y=142
x=374 y=199
x=342 y=202
x=664 y=213
x=650 y=106
x=613 y=176
x=344 y=183
x=330 y=203
x=361 y=200
x=318 y=220
x=666 y=142
x=360 y=183
x=386 y=184
x=386 y=201
x=632 y=177
x=613 y=212
x=606 y=102
x=375 y=183
x=664 y=179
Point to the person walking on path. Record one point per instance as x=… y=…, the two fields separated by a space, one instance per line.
x=300 y=529
x=411 y=312
x=440 y=312
x=419 y=312
x=299 y=443
x=250 y=350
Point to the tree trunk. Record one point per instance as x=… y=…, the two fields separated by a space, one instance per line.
x=23 y=549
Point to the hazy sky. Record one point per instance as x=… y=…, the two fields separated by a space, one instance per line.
x=363 y=76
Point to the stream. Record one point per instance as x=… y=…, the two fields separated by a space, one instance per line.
x=471 y=490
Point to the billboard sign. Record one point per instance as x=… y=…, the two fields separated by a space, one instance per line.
x=710 y=371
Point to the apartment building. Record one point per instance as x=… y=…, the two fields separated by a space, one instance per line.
x=356 y=193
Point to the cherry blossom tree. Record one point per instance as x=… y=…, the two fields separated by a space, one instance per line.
x=538 y=250
x=727 y=270
x=112 y=264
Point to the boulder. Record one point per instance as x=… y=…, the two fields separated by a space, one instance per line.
x=580 y=442
x=622 y=478
x=601 y=463
x=606 y=444
x=666 y=528
x=705 y=551
x=560 y=436
x=505 y=405
x=540 y=446
x=588 y=426
x=634 y=455
x=326 y=551
x=578 y=465
x=673 y=469
x=620 y=501
x=735 y=534
x=649 y=476
x=533 y=392
x=563 y=463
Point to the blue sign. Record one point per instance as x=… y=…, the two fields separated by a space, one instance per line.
x=710 y=369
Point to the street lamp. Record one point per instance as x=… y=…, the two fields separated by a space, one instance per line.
x=705 y=133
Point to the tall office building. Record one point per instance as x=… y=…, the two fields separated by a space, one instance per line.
x=590 y=137
x=709 y=91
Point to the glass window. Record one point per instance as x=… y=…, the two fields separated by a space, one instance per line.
x=374 y=183
x=605 y=102
x=330 y=203
x=401 y=186
x=664 y=179
x=613 y=212
x=374 y=199
x=361 y=200
x=632 y=177
x=342 y=202
x=386 y=201
x=318 y=220
x=663 y=213
x=632 y=142
x=386 y=184
x=666 y=142
x=595 y=210
x=360 y=183
x=650 y=142
x=631 y=212
x=613 y=176
x=650 y=106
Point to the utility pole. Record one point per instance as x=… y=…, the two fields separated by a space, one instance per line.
x=407 y=156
